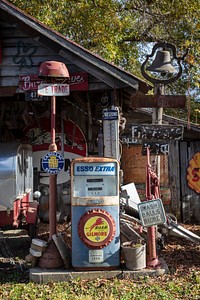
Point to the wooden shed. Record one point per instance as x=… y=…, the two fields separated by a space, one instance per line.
x=94 y=84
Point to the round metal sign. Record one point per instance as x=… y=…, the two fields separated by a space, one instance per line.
x=52 y=162
x=96 y=228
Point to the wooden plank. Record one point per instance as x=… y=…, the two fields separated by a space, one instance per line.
x=185 y=193
x=166 y=101
x=174 y=178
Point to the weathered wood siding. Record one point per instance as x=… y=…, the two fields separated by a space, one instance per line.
x=134 y=170
x=22 y=54
x=174 y=178
x=134 y=165
x=185 y=202
x=190 y=199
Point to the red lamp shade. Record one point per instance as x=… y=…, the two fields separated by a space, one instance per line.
x=53 y=69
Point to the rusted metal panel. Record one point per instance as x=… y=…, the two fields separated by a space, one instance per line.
x=166 y=101
x=134 y=165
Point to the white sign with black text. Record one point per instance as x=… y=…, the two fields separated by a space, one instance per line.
x=151 y=212
x=47 y=89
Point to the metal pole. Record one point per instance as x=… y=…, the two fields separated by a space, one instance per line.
x=152 y=259
x=52 y=177
x=157 y=116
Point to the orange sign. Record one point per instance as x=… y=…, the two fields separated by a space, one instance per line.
x=193 y=173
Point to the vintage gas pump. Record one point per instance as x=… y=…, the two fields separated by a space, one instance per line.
x=95 y=213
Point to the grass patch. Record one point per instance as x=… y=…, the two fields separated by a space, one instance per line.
x=167 y=287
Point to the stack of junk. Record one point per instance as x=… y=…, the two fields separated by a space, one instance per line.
x=131 y=232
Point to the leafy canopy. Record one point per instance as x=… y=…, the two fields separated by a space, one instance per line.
x=121 y=30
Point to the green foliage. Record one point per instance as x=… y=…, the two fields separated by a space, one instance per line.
x=121 y=30
x=163 y=287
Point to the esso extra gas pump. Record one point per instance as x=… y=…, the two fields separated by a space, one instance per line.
x=95 y=213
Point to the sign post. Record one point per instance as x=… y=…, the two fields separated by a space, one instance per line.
x=53 y=70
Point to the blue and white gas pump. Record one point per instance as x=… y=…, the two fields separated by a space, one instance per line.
x=95 y=213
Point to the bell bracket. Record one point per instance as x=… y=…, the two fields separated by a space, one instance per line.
x=162 y=81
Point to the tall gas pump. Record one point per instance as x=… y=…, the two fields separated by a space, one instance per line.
x=95 y=213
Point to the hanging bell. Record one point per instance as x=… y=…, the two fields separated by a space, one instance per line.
x=162 y=63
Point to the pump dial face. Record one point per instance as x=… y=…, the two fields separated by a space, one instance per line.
x=96 y=228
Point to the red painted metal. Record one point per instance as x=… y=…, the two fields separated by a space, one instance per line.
x=152 y=192
x=104 y=227
x=52 y=177
x=52 y=204
x=32 y=212
x=53 y=146
x=53 y=69
x=24 y=212
x=20 y=209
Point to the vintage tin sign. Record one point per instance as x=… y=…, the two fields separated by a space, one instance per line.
x=151 y=212
x=52 y=162
x=47 y=89
x=101 y=168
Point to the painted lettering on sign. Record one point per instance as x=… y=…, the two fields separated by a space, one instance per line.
x=157 y=132
x=95 y=169
x=29 y=82
x=157 y=148
x=77 y=82
x=46 y=89
x=96 y=229
x=151 y=212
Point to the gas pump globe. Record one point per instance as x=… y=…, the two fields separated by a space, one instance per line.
x=95 y=213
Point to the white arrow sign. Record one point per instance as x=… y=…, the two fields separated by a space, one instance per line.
x=47 y=89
